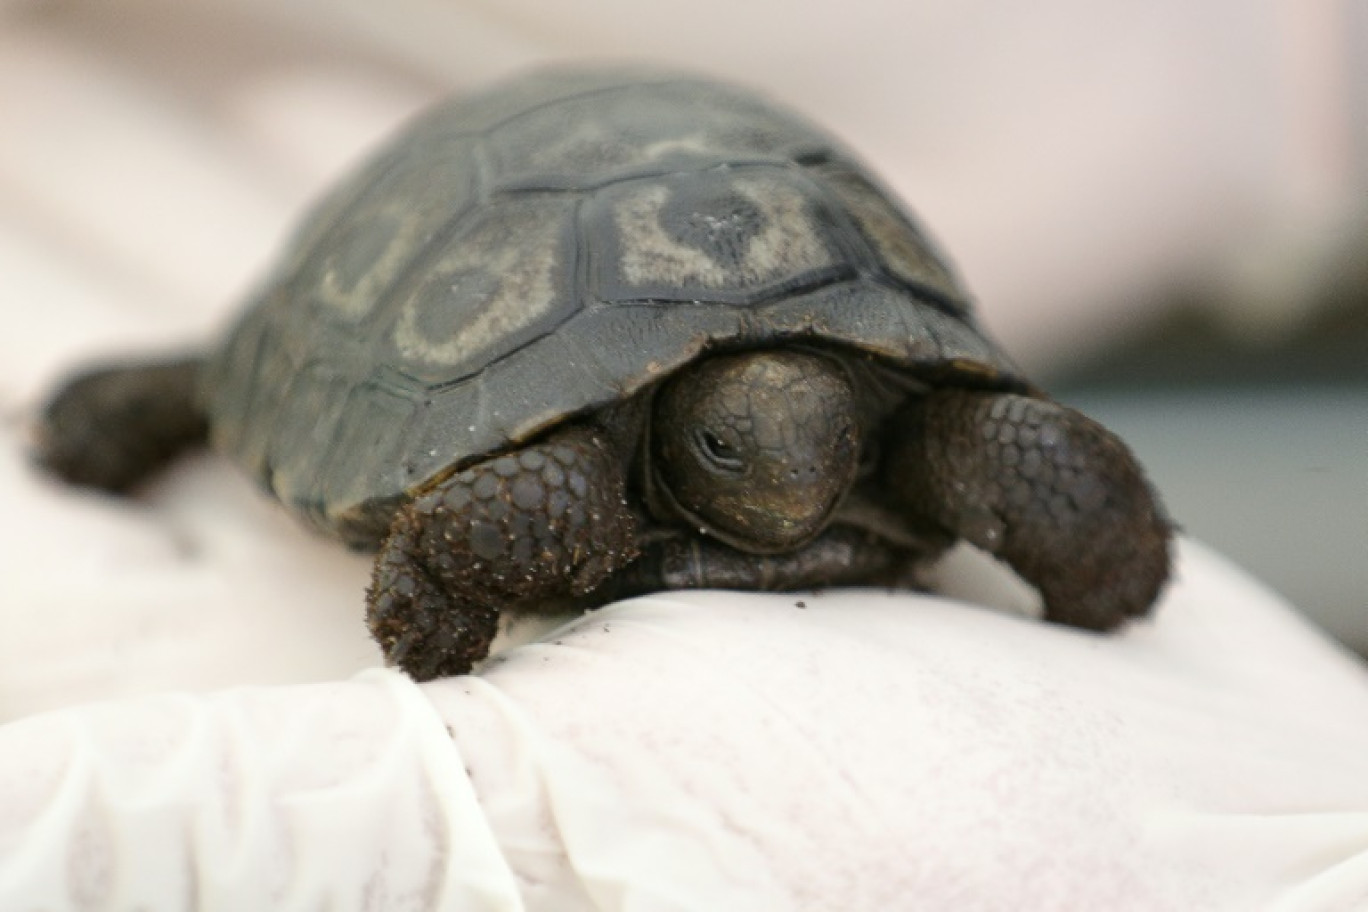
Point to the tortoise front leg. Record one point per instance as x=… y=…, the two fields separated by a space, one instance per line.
x=548 y=522
x=1046 y=489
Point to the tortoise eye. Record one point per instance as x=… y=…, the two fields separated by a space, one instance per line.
x=718 y=452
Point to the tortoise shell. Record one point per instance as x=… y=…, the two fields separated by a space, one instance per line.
x=552 y=246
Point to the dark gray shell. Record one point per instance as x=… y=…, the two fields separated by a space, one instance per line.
x=548 y=247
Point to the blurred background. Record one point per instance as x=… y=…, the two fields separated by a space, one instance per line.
x=1161 y=206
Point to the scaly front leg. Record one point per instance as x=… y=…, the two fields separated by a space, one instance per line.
x=1046 y=489
x=548 y=522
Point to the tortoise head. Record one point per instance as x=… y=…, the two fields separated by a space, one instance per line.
x=756 y=448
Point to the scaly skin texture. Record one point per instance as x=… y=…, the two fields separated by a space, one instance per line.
x=548 y=523
x=1044 y=488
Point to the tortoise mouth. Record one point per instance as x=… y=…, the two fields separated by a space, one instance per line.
x=775 y=532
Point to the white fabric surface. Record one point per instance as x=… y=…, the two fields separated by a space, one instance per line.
x=705 y=751
x=690 y=751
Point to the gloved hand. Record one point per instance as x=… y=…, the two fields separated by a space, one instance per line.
x=711 y=751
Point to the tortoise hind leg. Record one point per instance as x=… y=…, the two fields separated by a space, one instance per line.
x=112 y=427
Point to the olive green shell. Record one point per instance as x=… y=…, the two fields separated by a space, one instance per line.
x=545 y=248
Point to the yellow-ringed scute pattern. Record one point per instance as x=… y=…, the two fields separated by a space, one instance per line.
x=490 y=289
x=516 y=258
x=731 y=231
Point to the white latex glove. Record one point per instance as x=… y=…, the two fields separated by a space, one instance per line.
x=715 y=751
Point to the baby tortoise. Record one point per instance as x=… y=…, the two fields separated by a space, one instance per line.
x=597 y=333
